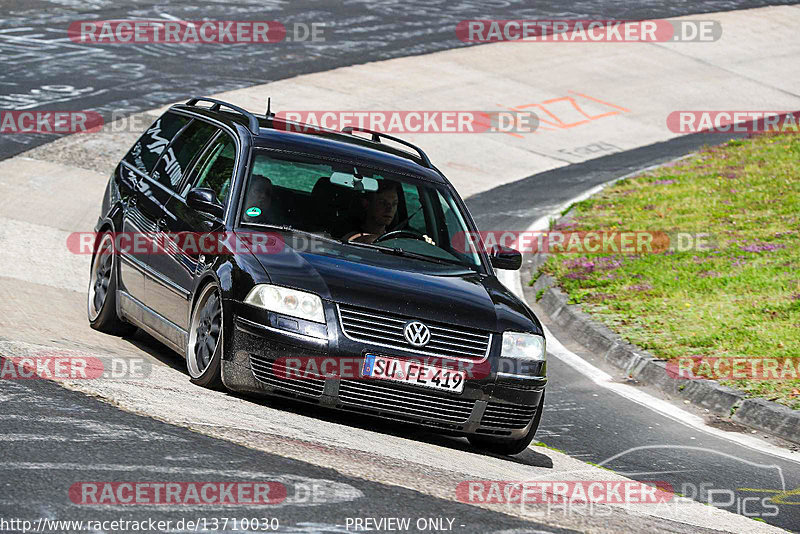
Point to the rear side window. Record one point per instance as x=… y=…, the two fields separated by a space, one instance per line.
x=215 y=170
x=146 y=151
x=176 y=160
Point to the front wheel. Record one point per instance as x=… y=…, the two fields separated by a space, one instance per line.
x=204 y=350
x=509 y=446
x=102 y=294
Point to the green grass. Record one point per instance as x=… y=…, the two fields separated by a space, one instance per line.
x=741 y=297
x=546 y=446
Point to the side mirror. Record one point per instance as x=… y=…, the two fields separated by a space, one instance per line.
x=505 y=258
x=205 y=201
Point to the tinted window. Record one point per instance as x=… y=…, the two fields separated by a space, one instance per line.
x=175 y=162
x=215 y=170
x=295 y=175
x=454 y=223
x=146 y=151
x=416 y=217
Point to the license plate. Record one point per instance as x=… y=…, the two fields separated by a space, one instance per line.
x=411 y=372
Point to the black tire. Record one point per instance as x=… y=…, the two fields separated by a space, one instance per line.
x=509 y=447
x=204 y=349
x=101 y=304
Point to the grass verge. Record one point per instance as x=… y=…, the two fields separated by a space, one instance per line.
x=738 y=298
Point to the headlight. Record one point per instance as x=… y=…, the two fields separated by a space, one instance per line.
x=523 y=346
x=287 y=301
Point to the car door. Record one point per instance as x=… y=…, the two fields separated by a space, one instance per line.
x=166 y=292
x=141 y=199
x=214 y=170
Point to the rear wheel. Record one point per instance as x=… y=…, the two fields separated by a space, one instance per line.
x=512 y=446
x=204 y=350
x=102 y=294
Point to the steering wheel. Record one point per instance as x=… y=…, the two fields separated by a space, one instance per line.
x=400 y=233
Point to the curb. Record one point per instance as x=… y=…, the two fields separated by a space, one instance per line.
x=642 y=366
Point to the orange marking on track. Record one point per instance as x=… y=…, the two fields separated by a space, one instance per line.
x=625 y=110
x=550 y=121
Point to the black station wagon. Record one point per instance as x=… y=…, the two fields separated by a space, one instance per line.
x=335 y=271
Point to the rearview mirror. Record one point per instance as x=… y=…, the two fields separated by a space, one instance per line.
x=351 y=181
x=505 y=258
x=205 y=201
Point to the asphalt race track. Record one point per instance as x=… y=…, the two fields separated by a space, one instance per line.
x=51 y=434
x=336 y=467
x=616 y=432
x=43 y=69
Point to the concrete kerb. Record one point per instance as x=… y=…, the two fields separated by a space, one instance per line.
x=642 y=366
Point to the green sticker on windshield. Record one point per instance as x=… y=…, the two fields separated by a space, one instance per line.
x=253 y=212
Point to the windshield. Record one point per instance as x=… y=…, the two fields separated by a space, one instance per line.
x=357 y=206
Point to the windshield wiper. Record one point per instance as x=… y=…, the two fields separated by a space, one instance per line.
x=289 y=228
x=407 y=254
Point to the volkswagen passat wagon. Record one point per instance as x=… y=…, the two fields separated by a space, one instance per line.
x=338 y=268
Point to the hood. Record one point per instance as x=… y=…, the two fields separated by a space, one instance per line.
x=367 y=278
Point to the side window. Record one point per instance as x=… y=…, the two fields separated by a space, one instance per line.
x=215 y=171
x=146 y=151
x=176 y=160
x=453 y=222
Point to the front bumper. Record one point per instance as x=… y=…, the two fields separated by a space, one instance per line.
x=493 y=403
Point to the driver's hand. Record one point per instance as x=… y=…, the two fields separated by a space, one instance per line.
x=363 y=238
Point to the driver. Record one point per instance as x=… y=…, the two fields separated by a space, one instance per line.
x=380 y=208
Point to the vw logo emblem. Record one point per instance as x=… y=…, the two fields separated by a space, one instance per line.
x=417 y=334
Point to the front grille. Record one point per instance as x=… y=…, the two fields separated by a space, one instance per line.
x=265 y=371
x=386 y=329
x=404 y=403
x=507 y=416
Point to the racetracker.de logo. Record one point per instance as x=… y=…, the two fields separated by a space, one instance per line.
x=65 y=365
x=177 y=493
x=191 y=243
x=49 y=122
x=422 y=370
x=584 y=242
x=563 y=491
x=731 y=368
x=588 y=31
x=687 y=122
x=418 y=121
x=176 y=31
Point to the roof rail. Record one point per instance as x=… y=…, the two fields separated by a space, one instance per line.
x=376 y=137
x=252 y=120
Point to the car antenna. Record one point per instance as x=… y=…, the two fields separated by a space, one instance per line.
x=268 y=107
